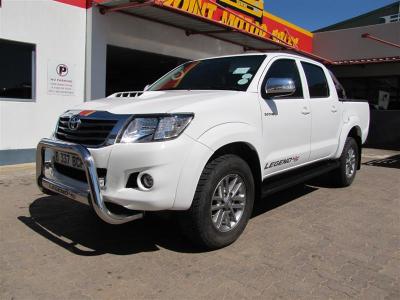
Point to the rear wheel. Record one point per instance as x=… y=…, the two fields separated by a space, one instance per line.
x=345 y=174
x=222 y=204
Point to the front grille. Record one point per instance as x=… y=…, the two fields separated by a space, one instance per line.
x=92 y=132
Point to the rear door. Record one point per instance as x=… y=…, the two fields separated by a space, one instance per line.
x=286 y=120
x=325 y=110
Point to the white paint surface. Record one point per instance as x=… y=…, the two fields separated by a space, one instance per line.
x=59 y=32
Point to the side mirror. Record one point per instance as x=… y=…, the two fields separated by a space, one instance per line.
x=146 y=87
x=280 y=87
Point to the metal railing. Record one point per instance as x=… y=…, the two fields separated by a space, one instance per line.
x=92 y=195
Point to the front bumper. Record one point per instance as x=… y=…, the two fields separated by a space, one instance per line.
x=91 y=194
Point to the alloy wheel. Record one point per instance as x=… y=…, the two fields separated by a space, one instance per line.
x=228 y=202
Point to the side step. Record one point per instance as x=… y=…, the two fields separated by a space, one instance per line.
x=285 y=180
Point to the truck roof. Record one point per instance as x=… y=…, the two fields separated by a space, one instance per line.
x=269 y=52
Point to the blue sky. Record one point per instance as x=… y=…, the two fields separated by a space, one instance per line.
x=315 y=14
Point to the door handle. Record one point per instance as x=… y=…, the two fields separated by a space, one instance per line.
x=305 y=110
x=333 y=108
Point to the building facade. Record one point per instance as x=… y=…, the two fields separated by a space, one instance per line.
x=55 y=54
x=365 y=51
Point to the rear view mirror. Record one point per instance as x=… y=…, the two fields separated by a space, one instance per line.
x=280 y=87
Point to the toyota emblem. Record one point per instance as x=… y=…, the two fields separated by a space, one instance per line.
x=74 y=122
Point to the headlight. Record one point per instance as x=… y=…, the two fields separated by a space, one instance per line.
x=155 y=128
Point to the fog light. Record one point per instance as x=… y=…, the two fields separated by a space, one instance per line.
x=146 y=181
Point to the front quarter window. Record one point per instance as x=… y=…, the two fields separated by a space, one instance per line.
x=225 y=73
x=284 y=68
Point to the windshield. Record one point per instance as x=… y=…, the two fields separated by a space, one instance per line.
x=225 y=73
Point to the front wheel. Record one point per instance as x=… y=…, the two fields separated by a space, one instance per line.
x=222 y=204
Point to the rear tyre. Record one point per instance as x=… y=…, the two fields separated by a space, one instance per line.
x=345 y=174
x=222 y=204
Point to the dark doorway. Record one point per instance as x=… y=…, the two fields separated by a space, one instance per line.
x=132 y=70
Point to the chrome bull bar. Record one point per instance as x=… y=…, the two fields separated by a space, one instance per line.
x=92 y=195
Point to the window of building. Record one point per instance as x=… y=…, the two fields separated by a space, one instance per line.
x=316 y=80
x=284 y=68
x=391 y=18
x=17 y=76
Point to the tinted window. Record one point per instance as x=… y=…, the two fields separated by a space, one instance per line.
x=16 y=61
x=284 y=68
x=225 y=73
x=316 y=80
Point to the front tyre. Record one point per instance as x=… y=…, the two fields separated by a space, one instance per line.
x=345 y=174
x=222 y=204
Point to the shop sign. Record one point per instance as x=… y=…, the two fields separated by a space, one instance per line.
x=246 y=16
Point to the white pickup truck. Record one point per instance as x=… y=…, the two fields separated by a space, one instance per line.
x=208 y=139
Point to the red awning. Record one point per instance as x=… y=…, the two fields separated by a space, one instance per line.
x=258 y=39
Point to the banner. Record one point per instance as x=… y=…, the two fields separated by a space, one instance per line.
x=246 y=16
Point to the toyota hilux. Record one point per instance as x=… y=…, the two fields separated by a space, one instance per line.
x=207 y=139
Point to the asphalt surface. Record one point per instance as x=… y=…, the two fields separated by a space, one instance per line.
x=309 y=242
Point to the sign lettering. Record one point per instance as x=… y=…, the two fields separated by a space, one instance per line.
x=246 y=16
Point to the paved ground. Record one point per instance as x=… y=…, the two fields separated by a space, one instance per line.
x=308 y=242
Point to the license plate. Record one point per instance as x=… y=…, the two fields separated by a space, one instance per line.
x=68 y=159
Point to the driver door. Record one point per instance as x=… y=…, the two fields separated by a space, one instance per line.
x=286 y=120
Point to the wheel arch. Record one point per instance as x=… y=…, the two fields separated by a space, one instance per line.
x=238 y=138
x=355 y=133
x=352 y=130
x=249 y=154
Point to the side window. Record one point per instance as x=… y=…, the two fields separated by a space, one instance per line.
x=284 y=68
x=316 y=80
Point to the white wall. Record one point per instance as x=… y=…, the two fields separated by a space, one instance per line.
x=131 y=32
x=58 y=31
x=348 y=43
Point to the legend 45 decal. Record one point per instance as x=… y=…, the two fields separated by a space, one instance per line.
x=282 y=162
